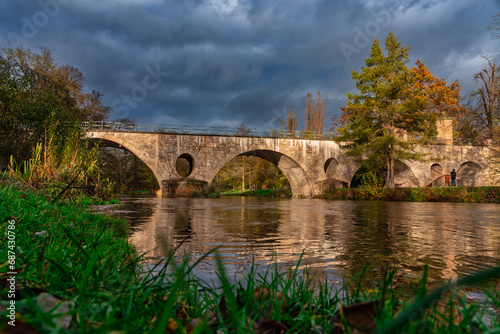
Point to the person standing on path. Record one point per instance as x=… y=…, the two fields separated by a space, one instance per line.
x=453 y=176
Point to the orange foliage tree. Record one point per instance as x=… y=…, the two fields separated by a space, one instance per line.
x=429 y=94
x=392 y=100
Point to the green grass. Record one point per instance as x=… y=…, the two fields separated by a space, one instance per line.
x=441 y=194
x=86 y=259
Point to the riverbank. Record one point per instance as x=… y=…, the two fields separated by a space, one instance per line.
x=65 y=253
x=441 y=194
x=274 y=193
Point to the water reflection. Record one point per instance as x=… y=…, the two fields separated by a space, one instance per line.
x=338 y=237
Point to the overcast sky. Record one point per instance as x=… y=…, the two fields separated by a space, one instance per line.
x=223 y=62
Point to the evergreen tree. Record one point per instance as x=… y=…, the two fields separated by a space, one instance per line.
x=392 y=101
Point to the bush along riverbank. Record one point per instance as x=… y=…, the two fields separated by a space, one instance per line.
x=72 y=271
x=442 y=194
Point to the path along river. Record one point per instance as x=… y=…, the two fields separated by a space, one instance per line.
x=339 y=238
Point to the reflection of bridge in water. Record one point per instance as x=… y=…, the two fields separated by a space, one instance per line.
x=341 y=237
x=311 y=163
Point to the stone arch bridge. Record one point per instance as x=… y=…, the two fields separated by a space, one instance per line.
x=311 y=165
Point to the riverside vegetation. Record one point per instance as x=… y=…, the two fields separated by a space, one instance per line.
x=442 y=194
x=83 y=262
x=372 y=188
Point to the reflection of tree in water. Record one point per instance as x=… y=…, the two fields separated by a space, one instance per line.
x=183 y=221
x=256 y=223
x=175 y=225
x=336 y=235
x=368 y=238
x=136 y=209
x=389 y=234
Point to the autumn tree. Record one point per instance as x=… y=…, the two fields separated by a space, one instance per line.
x=315 y=114
x=484 y=102
x=392 y=100
x=291 y=121
x=39 y=99
x=431 y=95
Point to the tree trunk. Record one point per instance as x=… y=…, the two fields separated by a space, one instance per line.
x=389 y=178
x=388 y=174
x=243 y=177
x=135 y=174
x=392 y=184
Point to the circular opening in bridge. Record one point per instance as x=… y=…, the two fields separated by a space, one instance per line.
x=184 y=165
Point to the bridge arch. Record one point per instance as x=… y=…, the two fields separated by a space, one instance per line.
x=130 y=148
x=296 y=175
x=404 y=175
x=436 y=175
x=470 y=174
x=338 y=172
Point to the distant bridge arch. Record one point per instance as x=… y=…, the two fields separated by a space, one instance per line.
x=470 y=174
x=296 y=175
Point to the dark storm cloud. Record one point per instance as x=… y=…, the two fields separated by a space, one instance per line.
x=227 y=61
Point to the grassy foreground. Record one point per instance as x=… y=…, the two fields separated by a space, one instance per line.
x=441 y=194
x=77 y=273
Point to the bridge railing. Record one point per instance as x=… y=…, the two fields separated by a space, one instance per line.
x=476 y=142
x=251 y=132
x=456 y=141
x=202 y=130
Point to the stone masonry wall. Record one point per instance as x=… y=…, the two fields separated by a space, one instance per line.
x=309 y=165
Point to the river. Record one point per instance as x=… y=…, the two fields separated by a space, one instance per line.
x=337 y=238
